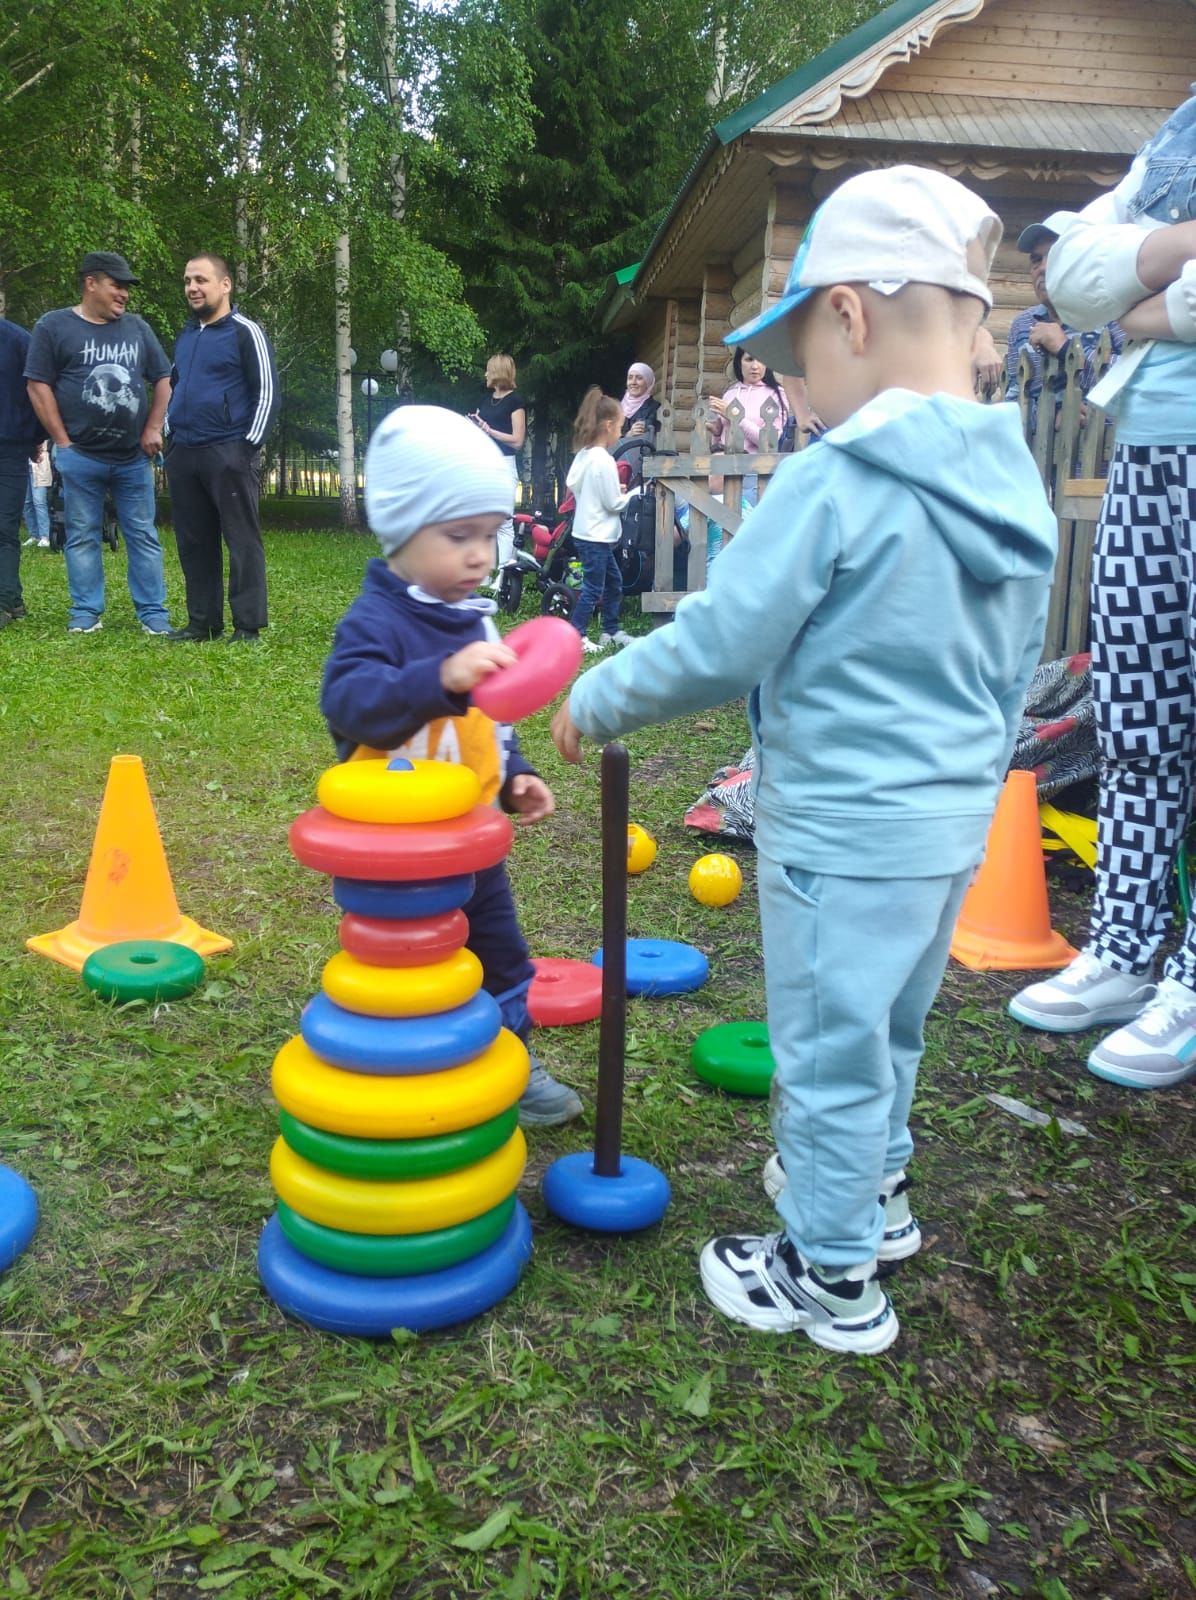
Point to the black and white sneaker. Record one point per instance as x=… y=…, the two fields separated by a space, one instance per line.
x=902 y=1237
x=765 y=1283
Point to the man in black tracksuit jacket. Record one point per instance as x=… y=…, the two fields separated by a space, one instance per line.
x=224 y=399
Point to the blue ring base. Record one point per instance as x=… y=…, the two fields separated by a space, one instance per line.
x=370 y=1308
x=637 y=1198
x=18 y=1216
x=662 y=966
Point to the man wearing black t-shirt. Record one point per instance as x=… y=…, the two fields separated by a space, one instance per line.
x=87 y=371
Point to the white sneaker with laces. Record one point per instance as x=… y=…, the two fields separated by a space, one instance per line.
x=589 y=648
x=1085 y=994
x=765 y=1283
x=1158 y=1048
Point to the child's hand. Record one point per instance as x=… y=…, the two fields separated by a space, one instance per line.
x=566 y=735
x=464 y=671
x=531 y=798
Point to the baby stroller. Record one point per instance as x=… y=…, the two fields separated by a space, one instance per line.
x=56 y=502
x=550 y=564
x=637 y=541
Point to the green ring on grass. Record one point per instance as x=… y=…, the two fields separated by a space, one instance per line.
x=735 y=1056
x=397 y=1255
x=398 y=1158
x=143 y=969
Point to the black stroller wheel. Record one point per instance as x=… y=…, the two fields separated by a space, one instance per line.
x=510 y=589
x=558 y=601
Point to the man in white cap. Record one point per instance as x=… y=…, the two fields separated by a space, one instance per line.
x=883 y=607
x=410 y=648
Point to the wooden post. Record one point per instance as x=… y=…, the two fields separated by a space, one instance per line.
x=608 y=1104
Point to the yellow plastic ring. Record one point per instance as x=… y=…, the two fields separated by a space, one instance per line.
x=368 y=1106
x=358 y=1205
x=402 y=991
x=417 y=791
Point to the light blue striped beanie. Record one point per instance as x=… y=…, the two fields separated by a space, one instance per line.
x=425 y=464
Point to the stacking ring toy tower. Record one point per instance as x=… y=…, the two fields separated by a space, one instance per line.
x=400 y=1151
x=609 y=1192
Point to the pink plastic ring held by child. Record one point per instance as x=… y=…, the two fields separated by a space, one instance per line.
x=549 y=651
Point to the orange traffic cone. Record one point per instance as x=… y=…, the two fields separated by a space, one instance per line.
x=128 y=893
x=1005 y=922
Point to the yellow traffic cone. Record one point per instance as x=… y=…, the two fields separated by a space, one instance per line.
x=128 y=893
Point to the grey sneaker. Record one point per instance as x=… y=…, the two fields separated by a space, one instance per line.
x=81 y=627
x=765 y=1283
x=1158 y=1048
x=902 y=1236
x=1086 y=994
x=545 y=1102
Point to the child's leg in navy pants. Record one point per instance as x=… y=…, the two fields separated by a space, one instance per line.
x=495 y=938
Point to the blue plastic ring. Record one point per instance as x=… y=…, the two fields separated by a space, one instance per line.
x=18 y=1216
x=636 y=1199
x=393 y=1046
x=402 y=902
x=662 y=966
x=341 y=1302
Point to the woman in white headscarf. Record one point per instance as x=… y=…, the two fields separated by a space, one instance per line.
x=640 y=411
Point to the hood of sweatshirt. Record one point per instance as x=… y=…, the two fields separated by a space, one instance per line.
x=966 y=464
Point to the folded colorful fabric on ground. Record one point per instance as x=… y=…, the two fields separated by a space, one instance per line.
x=1056 y=742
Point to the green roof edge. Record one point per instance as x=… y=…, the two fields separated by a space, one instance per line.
x=626 y=275
x=827 y=62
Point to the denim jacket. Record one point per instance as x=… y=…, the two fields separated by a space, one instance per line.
x=1167 y=187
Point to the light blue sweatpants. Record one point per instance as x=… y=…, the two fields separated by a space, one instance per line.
x=851 y=968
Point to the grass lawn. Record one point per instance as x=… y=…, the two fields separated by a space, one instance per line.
x=603 y=1433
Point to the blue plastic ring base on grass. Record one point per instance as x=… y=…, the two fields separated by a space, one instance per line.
x=370 y=1308
x=18 y=1216
x=636 y=1199
x=398 y=1046
x=402 y=902
x=662 y=966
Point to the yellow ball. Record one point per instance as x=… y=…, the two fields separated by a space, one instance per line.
x=641 y=848
x=715 y=880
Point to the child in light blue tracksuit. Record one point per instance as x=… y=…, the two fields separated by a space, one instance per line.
x=884 y=606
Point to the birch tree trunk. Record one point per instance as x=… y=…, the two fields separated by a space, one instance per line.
x=346 y=449
x=398 y=180
x=241 y=192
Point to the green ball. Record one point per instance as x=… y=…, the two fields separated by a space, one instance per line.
x=143 y=969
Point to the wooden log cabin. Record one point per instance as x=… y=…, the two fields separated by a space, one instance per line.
x=1037 y=106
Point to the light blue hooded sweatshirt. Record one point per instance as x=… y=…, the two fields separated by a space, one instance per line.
x=884 y=605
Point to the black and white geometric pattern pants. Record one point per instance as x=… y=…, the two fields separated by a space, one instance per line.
x=1143 y=678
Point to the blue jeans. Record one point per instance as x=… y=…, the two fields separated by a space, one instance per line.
x=85 y=481
x=601 y=583
x=36 y=514
x=14 y=476
x=851 y=968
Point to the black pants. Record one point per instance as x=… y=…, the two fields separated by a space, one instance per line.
x=14 y=484
x=214 y=492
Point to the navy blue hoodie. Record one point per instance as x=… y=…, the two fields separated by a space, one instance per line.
x=223 y=384
x=382 y=687
x=18 y=420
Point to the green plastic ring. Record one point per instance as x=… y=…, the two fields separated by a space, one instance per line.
x=143 y=969
x=398 y=1158
x=398 y=1255
x=735 y=1056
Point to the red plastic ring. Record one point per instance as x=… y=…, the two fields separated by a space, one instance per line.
x=564 y=992
x=549 y=653
x=385 y=853
x=403 y=944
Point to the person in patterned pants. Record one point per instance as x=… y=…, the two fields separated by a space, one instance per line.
x=1132 y=255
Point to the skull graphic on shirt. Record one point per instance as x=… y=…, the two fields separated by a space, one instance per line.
x=108 y=387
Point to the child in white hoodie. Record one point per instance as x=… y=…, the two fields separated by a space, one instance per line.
x=594 y=480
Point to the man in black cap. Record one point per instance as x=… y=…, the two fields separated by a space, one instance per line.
x=87 y=370
x=1041 y=328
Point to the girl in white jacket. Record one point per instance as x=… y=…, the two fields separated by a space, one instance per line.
x=594 y=480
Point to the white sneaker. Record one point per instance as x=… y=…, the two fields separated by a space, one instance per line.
x=1158 y=1048
x=589 y=648
x=43 y=544
x=902 y=1237
x=1085 y=994
x=618 y=639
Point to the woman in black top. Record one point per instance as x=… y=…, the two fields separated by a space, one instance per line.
x=502 y=416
